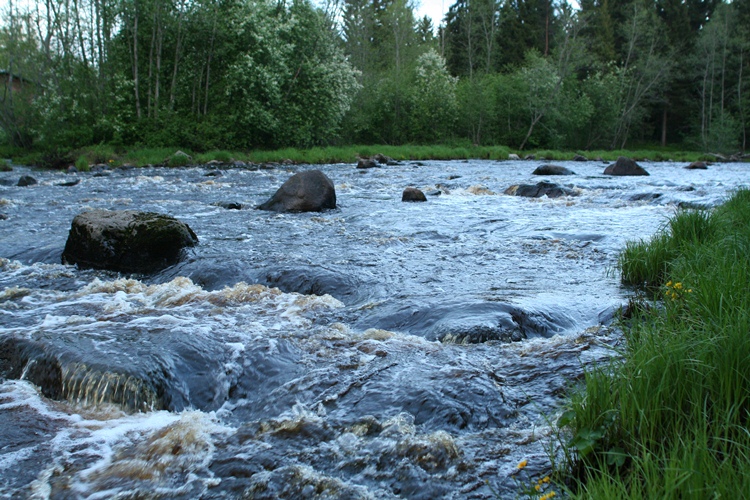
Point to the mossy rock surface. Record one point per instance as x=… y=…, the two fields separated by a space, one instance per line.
x=126 y=240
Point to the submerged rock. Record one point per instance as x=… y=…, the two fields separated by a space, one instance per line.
x=580 y=158
x=308 y=191
x=625 y=166
x=552 y=170
x=413 y=194
x=540 y=189
x=126 y=240
x=697 y=165
x=365 y=163
x=26 y=180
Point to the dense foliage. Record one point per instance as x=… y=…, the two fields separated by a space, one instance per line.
x=246 y=74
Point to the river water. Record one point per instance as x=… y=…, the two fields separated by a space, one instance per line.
x=379 y=350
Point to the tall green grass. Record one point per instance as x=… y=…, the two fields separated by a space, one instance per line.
x=671 y=419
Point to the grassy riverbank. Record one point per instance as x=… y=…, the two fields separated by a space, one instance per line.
x=671 y=418
x=344 y=154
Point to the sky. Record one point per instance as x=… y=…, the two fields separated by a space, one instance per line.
x=434 y=9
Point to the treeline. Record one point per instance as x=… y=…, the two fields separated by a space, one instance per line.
x=243 y=74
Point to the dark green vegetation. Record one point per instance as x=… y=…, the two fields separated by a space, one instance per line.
x=670 y=420
x=241 y=75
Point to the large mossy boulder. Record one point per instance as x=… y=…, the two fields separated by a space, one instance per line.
x=308 y=191
x=126 y=240
x=625 y=166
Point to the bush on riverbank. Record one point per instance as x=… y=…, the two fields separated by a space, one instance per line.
x=670 y=420
x=342 y=154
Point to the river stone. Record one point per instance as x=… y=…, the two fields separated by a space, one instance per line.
x=126 y=240
x=540 y=189
x=308 y=191
x=26 y=180
x=413 y=194
x=697 y=165
x=513 y=156
x=580 y=158
x=625 y=166
x=364 y=163
x=552 y=170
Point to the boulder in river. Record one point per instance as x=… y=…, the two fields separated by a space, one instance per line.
x=580 y=158
x=126 y=240
x=413 y=194
x=26 y=180
x=540 y=189
x=552 y=170
x=308 y=191
x=625 y=166
x=697 y=165
x=364 y=163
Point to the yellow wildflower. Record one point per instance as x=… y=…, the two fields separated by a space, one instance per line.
x=689 y=290
x=678 y=286
x=669 y=283
x=546 y=479
x=522 y=464
x=538 y=487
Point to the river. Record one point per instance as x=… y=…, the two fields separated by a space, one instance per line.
x=379 y=350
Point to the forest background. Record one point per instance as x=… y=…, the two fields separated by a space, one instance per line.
x=248 y=74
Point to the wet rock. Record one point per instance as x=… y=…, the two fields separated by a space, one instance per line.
x=413 y=194
x=697 y=165
x=383 y=159
x=308 y=191
x=645 y=197
x=26 y=180
x=529 y=157
x=99 y=167
x=71 y=170
x=625 y=166
x=6 y=182
x=364 y=163
x=229 y=205
x=552 y=170
x=126 y=240
x=69 y=183
x=126 y=167
x=580 y=158
x=102 y=173
x=513 y=156
x=434 y=192
x=540 y=189
x=213 y=173
x=3 y=217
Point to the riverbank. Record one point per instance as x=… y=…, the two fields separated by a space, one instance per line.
x=670 y=419
x=104 y=154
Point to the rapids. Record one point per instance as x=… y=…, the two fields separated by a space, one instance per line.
x=379 y=350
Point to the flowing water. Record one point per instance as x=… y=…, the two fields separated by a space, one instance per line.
x=379 y=350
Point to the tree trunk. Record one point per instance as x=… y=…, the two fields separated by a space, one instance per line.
x=135 y=64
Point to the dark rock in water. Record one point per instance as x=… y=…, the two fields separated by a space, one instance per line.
x=71 y=170
x=645 y=197
x=413 y=194
x=308 y=191
x=434 y=192
x=229 y=205
x=383 y=159
x=364 y=163
x=540 y=189
x=26 y=180
x=316 y=281
x=127 y=240
x=530 y=157
x=6 y=182
x=102 y=173
x=625 y=166
x=552 y=170
x=3 y=217
x=697 y=165
x=126 y=166
x=69 y=183
x=213 y=173
x=580 y=158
